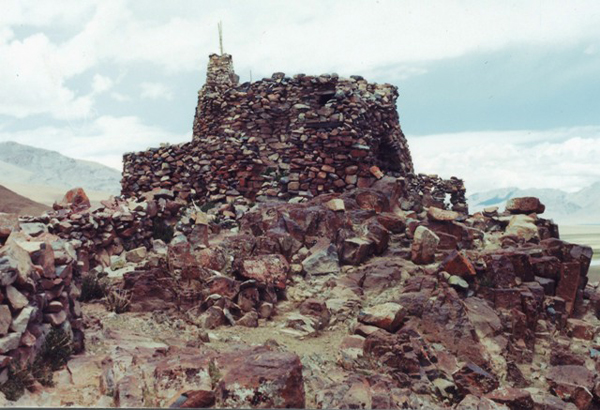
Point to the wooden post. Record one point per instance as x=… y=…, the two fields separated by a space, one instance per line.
x=220 y=26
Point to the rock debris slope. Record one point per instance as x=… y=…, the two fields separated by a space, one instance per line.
x=204 y=287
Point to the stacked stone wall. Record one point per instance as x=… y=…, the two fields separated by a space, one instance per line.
x=279 y=137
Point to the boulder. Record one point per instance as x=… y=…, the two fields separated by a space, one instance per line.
x=34 y=229
x=525 y=205
x=16 y=299
x=75 y=199
x=150 y=290
x=224 y=286
x=424 y=245
x=441 y=215
x=5 y=319
x=268 y=269
x=388 y=316
x=522 y=226
x=9 y=342
x=356 y=250
x=568 y=284
x=515 y=399
x=323 y=259
x=260 y=378
x=136 y=255
x=336 y=204
x=472 y=379
x=15 y=263
x=564 y=380
x=8 y=224
x=456 y=263
x=317 y=309
x=250 y=319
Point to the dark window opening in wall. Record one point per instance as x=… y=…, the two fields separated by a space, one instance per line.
x=388 y=156
x=325 y=96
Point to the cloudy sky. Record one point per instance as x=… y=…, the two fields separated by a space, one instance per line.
x=500 y=93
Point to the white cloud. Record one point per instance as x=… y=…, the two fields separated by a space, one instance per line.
x=349 y=37
x=33 y=81
x=104 y=139
x=565 y=159
x=120 y=97
x=155 y=91
x=101 y=84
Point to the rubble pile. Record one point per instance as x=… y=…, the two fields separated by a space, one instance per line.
x=289 y=256
x=116 y=226
x=38 y=291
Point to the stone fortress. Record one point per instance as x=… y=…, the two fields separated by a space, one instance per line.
x=283 y=137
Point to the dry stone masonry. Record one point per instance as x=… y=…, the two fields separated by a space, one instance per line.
x=282 y=137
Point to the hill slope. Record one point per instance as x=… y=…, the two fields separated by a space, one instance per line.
x=565 y=208
x=11 y=202
x=44 y=176
x=22 y=164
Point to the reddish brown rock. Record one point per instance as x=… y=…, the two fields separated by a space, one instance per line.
x=212 y=318
x=5 y=319
x=317 y=309
x=356 y=250
x=472 y=379
x=471 y=402
x=17 y=300
x=525 y=205
x=388 y=316
x=424 y=245
x=580 y=329
x=268 y=269
x=150 y=290
x=456 y=263
x=323 y=259
x=568 y=284
x=224 y=286
x=250 y=319
x=260 y=378
x=515 y=399
x=198 y=399
x=441 y=215
x=75 y=199
x=564 y=380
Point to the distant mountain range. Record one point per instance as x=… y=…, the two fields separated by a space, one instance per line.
x=11 y=202
x=582 y=207
x=44 y=176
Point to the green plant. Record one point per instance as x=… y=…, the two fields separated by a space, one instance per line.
x=54 y=354
x=161 y=230
x=118 y=300
x=214 y=373
x=42 y=372
x=57 y=348
x=92 y=287
x=19 y=379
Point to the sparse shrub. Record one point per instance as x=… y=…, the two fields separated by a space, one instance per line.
x=54 y=354
x=19 y=379
x=42 y=372
x=214 y=373
x=92 y=287
x=57 y=348
x=161 y=230
x=118 y=300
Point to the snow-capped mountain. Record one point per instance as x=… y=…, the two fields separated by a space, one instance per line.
x=580 y=207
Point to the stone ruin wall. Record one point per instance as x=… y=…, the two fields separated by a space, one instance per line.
x=283 y=137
